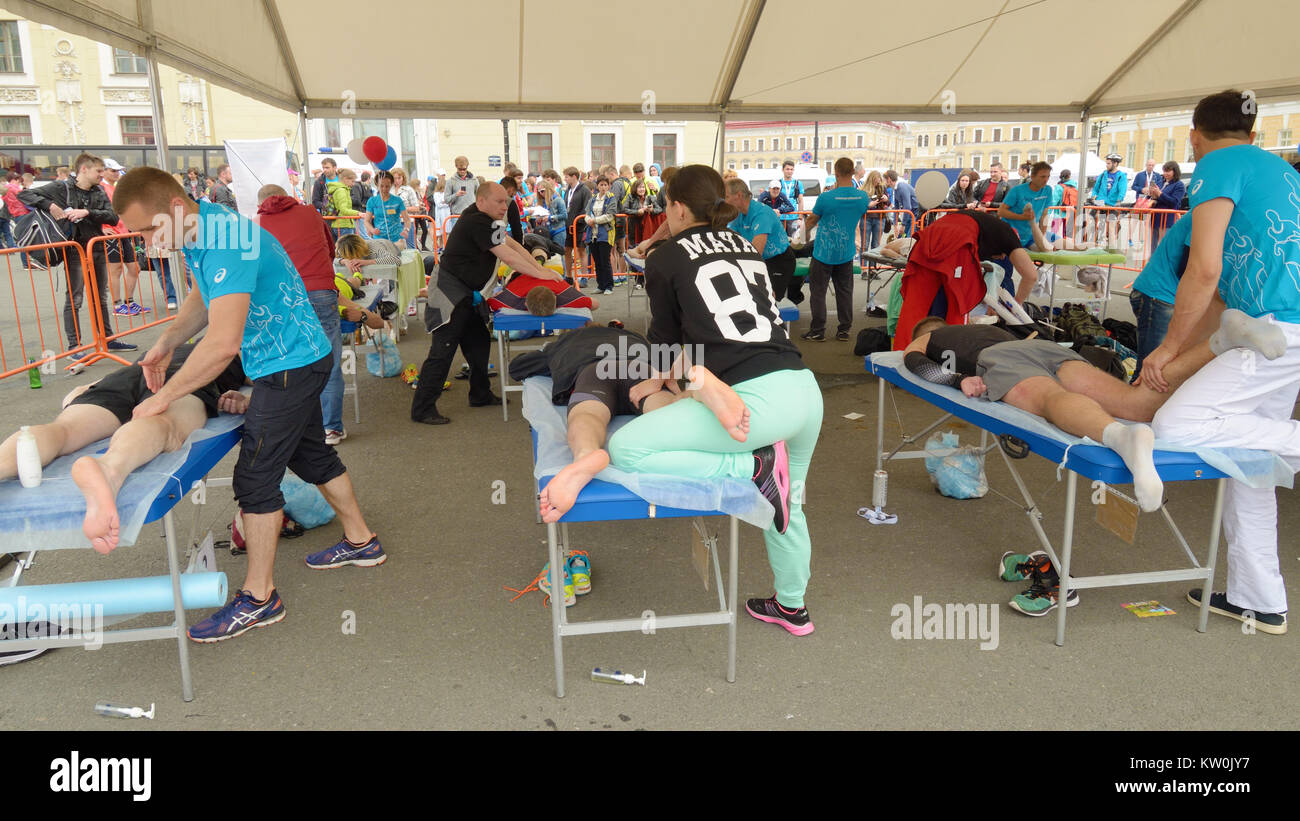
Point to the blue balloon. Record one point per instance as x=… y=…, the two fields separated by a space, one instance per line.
x=388 y=161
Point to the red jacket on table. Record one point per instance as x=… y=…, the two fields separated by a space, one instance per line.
x=513 y=295
x=304 y=236
x=941 y=250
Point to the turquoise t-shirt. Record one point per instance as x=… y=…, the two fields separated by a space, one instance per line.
x=230 y=254
x=761 y=219
x=1015 y=201
x=1159 y=277
x=792 y=189
x=838 y=213
x=387 y=216
x=1261 y=249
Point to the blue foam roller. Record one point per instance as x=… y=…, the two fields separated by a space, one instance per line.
x=118 y=597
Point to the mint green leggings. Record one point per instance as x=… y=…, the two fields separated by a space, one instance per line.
x=686 y=439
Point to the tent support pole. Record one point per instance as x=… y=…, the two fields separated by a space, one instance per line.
x=305 y=171
x=1085 y=126
x=722 y=133
x=155 y=99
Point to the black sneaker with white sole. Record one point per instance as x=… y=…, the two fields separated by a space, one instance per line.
x=1274 y=623
x=814 y=337
x=772 y=476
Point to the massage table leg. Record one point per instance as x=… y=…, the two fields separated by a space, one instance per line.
x=557 y=606
x=502 y=345
x=1067 y=544
x=1216 y=525
x=182 y=641
x=732 y=573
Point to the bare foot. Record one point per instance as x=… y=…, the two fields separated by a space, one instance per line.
x=101 y=524
x=725 y=403
x=561 y=492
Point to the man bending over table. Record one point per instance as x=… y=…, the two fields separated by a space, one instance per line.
x=102 y=409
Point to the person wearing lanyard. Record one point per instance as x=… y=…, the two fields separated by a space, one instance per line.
x=756 y=411
x=386 y=210
x=759 y=224
x=793 y=191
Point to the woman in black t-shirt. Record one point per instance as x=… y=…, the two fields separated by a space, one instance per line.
x=757 y=409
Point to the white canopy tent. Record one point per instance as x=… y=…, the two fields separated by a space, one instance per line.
x=741 y=59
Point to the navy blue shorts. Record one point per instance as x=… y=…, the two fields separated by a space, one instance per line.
x=283 y=428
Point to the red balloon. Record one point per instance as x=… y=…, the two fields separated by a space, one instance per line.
x=375 y=149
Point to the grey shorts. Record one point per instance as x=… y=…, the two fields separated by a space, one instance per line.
x=1004 y=365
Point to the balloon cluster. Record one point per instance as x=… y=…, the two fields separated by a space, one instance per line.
x=373 y=149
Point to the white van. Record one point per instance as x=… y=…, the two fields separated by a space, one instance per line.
x=812 y=178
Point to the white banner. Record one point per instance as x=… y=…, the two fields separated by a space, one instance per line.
x=254 y=163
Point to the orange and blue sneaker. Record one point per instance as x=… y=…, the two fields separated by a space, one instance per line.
x=242 y=614
x=772 y=476
x=543 y=582
x=580 y=569
x=344 y=553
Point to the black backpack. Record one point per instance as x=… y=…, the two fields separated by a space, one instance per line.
x=38 y=227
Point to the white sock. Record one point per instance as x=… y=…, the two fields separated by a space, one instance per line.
x=1240 y=330
x=1135 y=444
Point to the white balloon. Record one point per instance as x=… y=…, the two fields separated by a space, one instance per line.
x=357 y=152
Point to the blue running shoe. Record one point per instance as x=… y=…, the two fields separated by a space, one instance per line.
x=580 y=569
x=543 y=582
x=241 y=615
x=344 y=553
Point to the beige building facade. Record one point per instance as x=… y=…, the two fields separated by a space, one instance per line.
x=768 y=143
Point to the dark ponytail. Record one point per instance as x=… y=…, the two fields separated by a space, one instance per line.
x=700 y=189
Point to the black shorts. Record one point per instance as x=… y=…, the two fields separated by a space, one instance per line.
x=121 y=250
x=568 y=237
x=612 y=393
x=283 y=428
x=123 y=389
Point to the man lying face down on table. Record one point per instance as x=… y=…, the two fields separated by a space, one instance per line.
x=104 y=408
x=1054 y=382
x=595 y=371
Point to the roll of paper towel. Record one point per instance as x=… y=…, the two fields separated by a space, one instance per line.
x=116 y=597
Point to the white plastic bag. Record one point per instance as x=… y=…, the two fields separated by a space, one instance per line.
x=960 y=474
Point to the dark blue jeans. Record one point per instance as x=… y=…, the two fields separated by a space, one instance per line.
x=1152 y=318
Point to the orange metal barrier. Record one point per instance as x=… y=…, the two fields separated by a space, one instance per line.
x=432 y=232
x=36 y=337
x=155 y=312
x=1129 y=230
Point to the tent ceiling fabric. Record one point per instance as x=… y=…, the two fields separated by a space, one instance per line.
x=947 y=59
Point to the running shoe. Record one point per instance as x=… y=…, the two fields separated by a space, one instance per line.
x=544 y=584
x=344 y=553
x=772 y=475
x=770 y=610
x=242 y=614
x=118 y=345
x=814 y=337
x=1016 y=567
x=128 y=309
x=1043 y=594
x=580 y=569
x=842 y=336
x=1274 y=623
x=333 y=437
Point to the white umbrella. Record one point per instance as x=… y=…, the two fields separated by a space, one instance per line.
x=1096 y=166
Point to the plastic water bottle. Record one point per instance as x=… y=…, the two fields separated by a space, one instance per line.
x=29 y=459
x=33 y=374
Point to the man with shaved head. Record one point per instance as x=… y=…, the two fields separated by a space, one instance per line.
x=457 y=312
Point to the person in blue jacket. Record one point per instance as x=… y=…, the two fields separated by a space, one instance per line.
x=1166 y=196
x=1109 y=191
x=904 y=199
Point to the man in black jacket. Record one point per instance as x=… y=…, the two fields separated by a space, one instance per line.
x=85 y=207
x=329 y=172
x=576 y=196
x=997 y=180
x=221 y=193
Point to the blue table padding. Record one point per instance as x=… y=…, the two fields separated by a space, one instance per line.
x=1083 y=456
x=562 y=319
x=789 y=313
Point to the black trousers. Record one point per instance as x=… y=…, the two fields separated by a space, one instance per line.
x=76 y=294
x=819 y=276
x=466 y=330
x=780 y=269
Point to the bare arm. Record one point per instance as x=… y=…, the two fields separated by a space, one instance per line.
x=208 y=359
x=1028 y=273
x=518 y=258
x=809 y=222
x=759 y=242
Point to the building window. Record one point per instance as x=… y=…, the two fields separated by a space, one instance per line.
x=124 y=62
x=844 y=141
x=744 y=166
x=333 y=137
x=830 y=141
x=137 y=130
x=997 y=135
x=789 y=143
x=1015 y=133
x=602 y=150
x=731 y=165
x=1051 y=158
x=859 y=145
x=829 y=165
x=959 y=165
x=961 y=136
x=1014 y=160
x=1151 y=150
x=1284 y=137
x=664 y=149
x=907 y=155
x=976 y=162
x=731 y=146
x=760 y=146
x=370 y=128
x=1259 y=137
x=1130 y=150
x=11 y=50
x=919 y=141
x=995 y=159
x=1033 y=156
x=1169 y=150
x=407 y=152
x=1036 y=133
x=979 y=135
x=1051 y=132
x=541 y=153
x=1187 y=150
x=803 y=143
x=744 y=145
x=15 y=130
x=1069 y=132
x=758 y=164
x=1114 y=149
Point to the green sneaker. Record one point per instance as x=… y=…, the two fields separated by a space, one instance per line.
x=580 y=568
x=1016 y=567
x=543 y=582
x=1042 y=596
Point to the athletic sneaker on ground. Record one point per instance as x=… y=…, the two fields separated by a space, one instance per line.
x=1274 y=623
x=772 y=476
x=797 y=622
x=242 y=614
x=544 y=584
x=333 y=437
x=344 y=553
x=1016 y=567
x=1042 y=595
x=580 y=569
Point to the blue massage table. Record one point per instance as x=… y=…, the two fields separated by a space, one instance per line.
x=505 y=321
x=1091 y=461
x=175 y=475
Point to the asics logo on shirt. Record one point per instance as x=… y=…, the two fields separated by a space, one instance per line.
x=221 y=274
x=1196 y=186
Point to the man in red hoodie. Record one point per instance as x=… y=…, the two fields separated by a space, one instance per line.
x=307 y=240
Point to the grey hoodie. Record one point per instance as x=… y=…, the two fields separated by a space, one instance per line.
x=455 y=200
